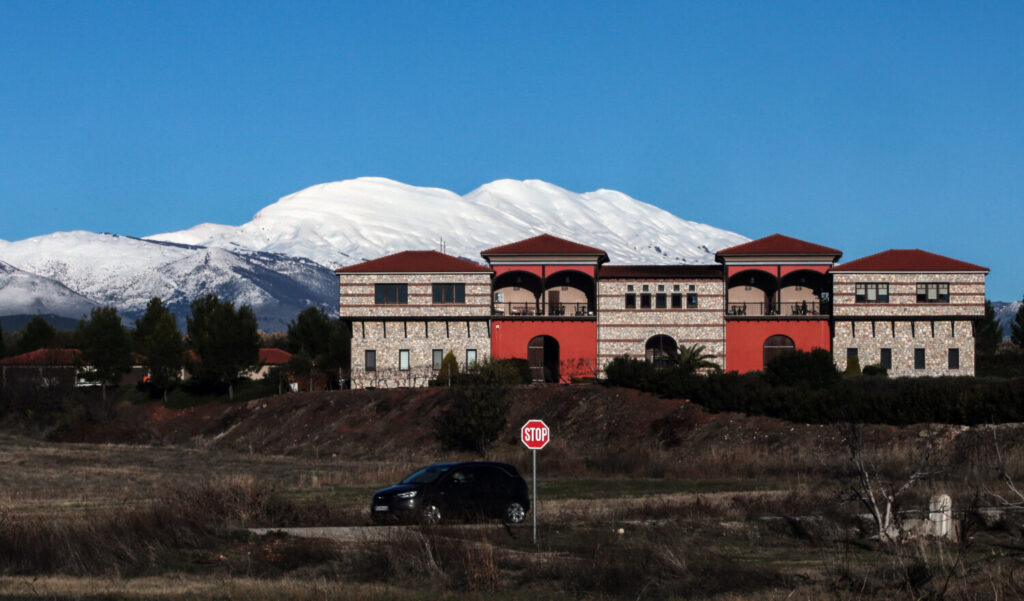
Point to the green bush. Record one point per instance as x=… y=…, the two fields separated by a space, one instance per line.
x=481 y=400
x=876 y=369
x=852 y=367
x=792 y=368
x=520 y=367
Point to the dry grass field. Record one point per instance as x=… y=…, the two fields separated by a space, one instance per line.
x=706 y=507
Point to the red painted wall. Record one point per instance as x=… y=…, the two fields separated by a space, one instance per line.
x=744 y=339
x=577 y=343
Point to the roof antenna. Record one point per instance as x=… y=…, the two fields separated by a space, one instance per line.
x=442 y=244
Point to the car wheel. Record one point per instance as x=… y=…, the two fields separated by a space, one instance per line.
x=515 y=513
x=430 y=514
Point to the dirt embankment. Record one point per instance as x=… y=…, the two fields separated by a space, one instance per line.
x=614 y=427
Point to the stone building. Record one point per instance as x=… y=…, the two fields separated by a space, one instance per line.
x=565 y=309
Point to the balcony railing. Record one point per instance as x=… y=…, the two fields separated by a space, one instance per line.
x=538 y=309
x=799 y=309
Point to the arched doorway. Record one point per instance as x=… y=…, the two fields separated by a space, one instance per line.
x=775 y=346
x=661 y=350
x=542 y=354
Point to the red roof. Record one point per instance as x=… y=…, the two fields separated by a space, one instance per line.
x=660 y=271
x=45 y=356
x=777 y=244
x=908 y=260
x=544 y=244
x=274 y=356
x=416 y=261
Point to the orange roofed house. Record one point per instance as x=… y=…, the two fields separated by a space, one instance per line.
x=568 y=311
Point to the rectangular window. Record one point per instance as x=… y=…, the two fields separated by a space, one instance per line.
x=631 y=301
x=675 y=288
x=691 y=300
x=470 y=357
x=886 y=358
x=933 y=292
x=449 y=293
x=370 y=361
x=661 y=287
x=629 y=288
x=436 y=359
x=919 y=358
x=872 y=292
x=954 y=358
x=660 y=301
x=851 y=353
x=677 y=301
x=391 y=294
x=645 y=301
x=646 y=288
x=403 y=360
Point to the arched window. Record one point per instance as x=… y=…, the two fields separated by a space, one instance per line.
x=661 y=350
x=776 y=345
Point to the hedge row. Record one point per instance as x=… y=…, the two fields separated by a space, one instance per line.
x=816 y=396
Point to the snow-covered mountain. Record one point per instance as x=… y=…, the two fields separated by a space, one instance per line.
x=1005 y=314
x=282 y=260
x=347 y=222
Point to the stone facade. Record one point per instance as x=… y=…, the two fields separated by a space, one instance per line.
x=357 y=295
x=903 y=338
x=966 y=295
x=622 y=331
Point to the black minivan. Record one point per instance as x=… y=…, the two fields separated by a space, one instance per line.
x=447 y=490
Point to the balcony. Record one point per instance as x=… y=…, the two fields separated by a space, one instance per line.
x=777 y=310
x=566 y=310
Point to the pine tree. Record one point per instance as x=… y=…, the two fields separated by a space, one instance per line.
x=158 y=340
x=1017 y=327
x=226 y=341
x=106 y=347
x=36 y=335
x=989 y=334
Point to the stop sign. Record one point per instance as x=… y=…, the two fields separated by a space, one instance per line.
x=535 y=434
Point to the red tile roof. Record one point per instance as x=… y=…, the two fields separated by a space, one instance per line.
x=660 y=271
x=416 y=261
x=45 y=356
x=777 y=244
x=274 y=356
x=544 y=244
x=907 y=260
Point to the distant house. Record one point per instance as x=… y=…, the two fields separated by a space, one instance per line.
x=56 y=369
x=269 y=359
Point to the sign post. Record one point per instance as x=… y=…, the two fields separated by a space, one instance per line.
x=535 y=435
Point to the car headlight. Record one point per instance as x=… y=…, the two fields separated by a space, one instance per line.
x=406 y=495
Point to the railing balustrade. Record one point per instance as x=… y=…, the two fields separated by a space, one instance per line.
x=797 y=309
x=542 y=309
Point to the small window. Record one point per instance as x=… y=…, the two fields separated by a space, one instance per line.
x=692 y=288
x=645 y=301
x=391 y=294
x=661 y=287
x=646 y=287
x=470 y=357
x=954 y=358
x=919 y=358
x=675 y=288
x=437 y=358
x=933 y=292
x=851 y=353
x=691 y=300
x=631 y=301
x=677 y=301
x=370 y=360
x=865 y=292
x=660 y=301
x=449 y=294
x=629 y=288
x=886 y=358
x=403 y=360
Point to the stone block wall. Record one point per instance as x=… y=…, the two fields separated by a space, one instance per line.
x=420 y=338
x=966 y=295
x=622 y=331
x=936 y=337
x=357 y=295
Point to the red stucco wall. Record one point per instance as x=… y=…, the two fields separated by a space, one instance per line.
x=744 y=339
x=577 y=343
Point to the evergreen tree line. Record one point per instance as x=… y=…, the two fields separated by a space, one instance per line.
x=220 y=344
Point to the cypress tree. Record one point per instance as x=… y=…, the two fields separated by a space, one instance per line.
x=158 y=340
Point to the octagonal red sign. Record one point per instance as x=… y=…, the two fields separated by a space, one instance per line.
x=535 y=434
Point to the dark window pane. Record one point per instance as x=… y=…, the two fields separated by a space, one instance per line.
x=919 y=358
x=677 y=301
x=851 y=353
x=380 y=294
x=886 y=359
x=954 y=358
x=691 y=300
x=661 y=301
x=645 y=301
x=403 y=294
x=370 y=361
x=460 y=293
x=438 y=293
x=631 y=301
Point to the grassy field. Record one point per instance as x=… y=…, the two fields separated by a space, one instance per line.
x=101 y=521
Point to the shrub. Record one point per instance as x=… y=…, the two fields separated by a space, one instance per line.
x=449 y=373
x=791 y=368
x=481 y=400
x=852 y=367
x=876 y=369
x=520 y=367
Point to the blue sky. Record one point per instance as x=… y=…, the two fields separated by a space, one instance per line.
x=863 y=126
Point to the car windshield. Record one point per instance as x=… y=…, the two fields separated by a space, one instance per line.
x=427 y=475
